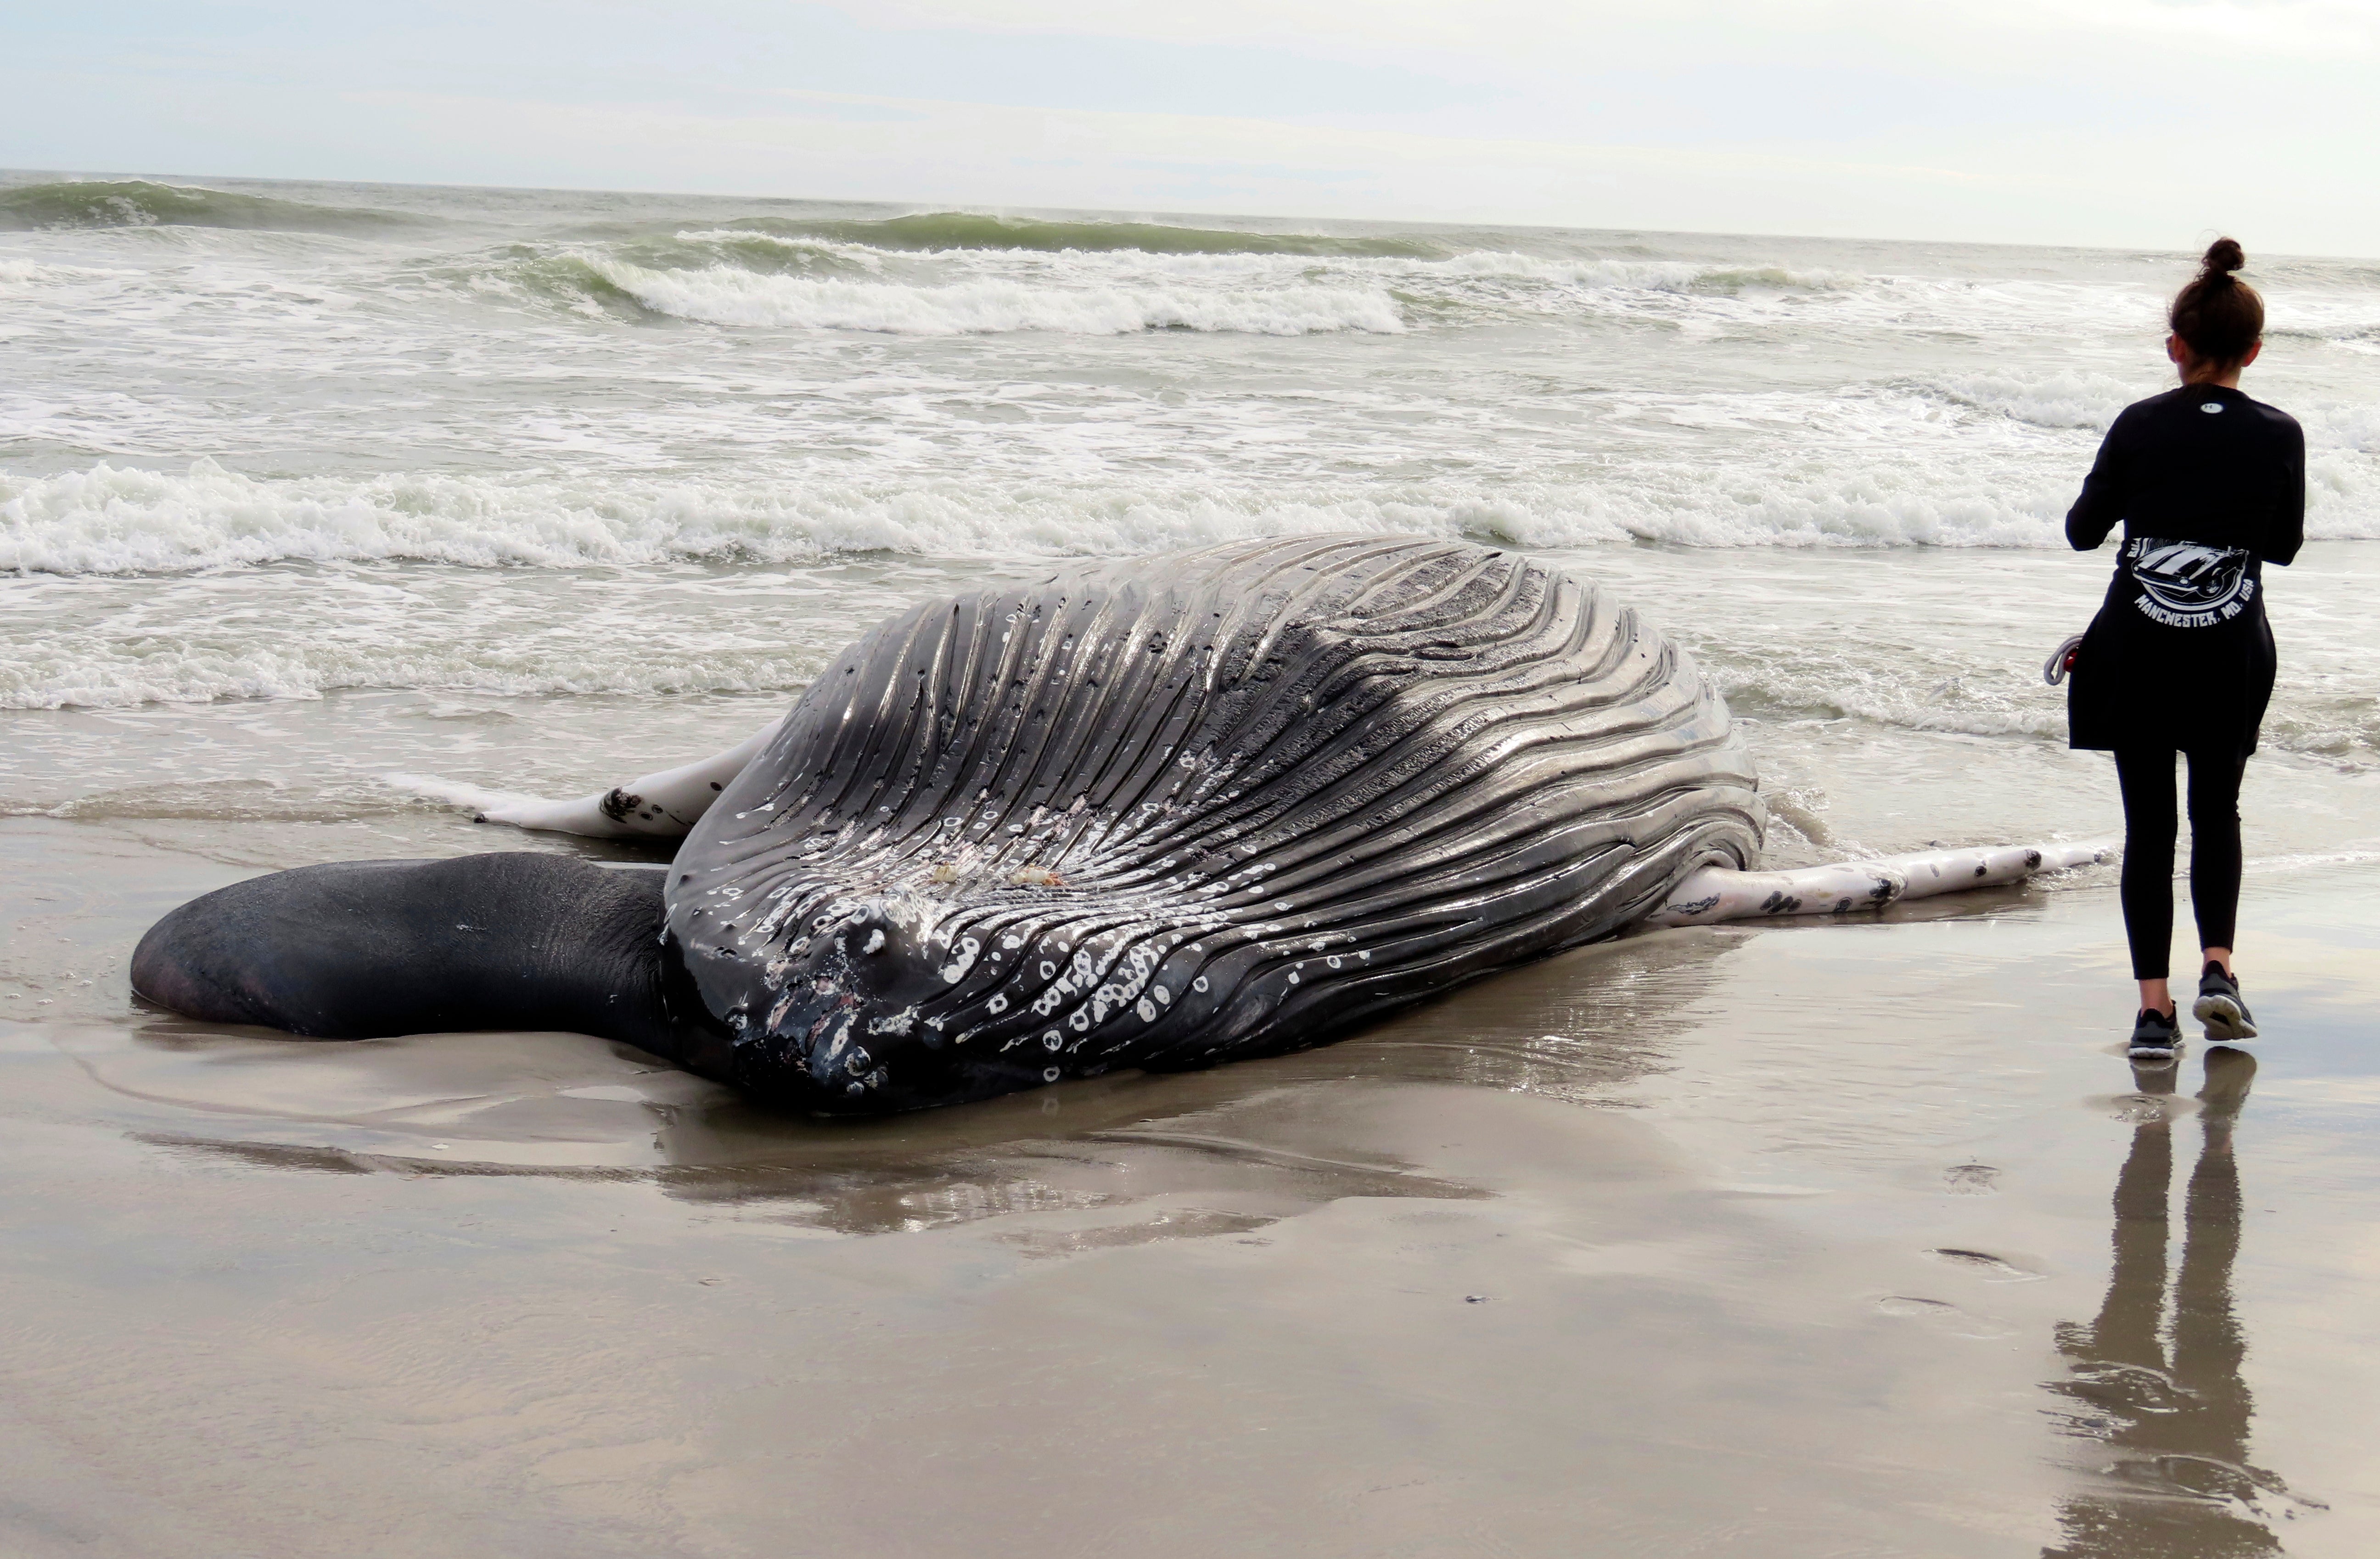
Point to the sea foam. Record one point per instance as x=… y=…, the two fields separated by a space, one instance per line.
x=112 y=519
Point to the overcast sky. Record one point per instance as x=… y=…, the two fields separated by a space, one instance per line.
x=2147 y=123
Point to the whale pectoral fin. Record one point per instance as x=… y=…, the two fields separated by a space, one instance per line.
x=622 y=812
x=661 y=806
x=1717 y=893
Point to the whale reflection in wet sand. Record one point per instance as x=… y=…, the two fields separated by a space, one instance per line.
x=2164 y=1393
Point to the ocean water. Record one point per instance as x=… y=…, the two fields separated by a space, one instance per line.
x=314 y=497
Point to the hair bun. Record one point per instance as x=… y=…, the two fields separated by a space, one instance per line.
x=2217 y=316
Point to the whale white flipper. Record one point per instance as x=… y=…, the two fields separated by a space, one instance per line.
x=661 y=806
x=1717 y=893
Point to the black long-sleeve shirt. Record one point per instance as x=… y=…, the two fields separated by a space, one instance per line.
x=2173 y=469
x=2209 y=486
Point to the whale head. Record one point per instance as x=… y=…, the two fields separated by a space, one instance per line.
x=846 y=1003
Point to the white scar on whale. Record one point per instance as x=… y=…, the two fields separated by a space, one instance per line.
x=667 y=803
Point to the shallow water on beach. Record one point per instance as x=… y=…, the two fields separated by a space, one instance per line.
x=319 y=501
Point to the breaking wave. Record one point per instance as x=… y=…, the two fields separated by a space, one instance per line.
x=747 y=277
x=2060 y=400
x=929 y=231
x=119 y=520
x=724 y=295
x=141 y=203
x=115 y=520
x=1650 y=275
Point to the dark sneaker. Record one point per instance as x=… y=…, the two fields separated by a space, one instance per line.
x=2221 y=1008
x=2153 y=1036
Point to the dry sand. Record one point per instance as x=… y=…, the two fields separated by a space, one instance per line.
x=1842 y=1239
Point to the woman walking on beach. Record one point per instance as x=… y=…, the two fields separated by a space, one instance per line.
x=2209 y=486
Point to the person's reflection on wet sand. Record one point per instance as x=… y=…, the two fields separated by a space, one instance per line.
x=2168 y=1400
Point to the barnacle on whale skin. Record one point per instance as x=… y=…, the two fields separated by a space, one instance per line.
x=1188 y=809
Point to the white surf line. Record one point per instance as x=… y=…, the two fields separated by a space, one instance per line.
x=1716 y=893
x=2302 y=862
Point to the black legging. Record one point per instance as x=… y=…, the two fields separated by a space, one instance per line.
x=2146 y=776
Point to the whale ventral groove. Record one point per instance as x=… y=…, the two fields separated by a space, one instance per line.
x=1186 y=809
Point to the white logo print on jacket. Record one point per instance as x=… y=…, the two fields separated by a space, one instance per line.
x=2184 y=585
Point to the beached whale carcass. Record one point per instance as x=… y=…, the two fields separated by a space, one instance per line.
x=1170 y=813
x=1159 y=813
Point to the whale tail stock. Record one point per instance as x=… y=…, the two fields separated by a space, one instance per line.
x=363 y=950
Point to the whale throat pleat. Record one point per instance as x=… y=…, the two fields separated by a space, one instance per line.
x=1191 y=808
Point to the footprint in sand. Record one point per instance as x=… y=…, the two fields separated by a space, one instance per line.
x=1990 y=1268
x=1951 y=1318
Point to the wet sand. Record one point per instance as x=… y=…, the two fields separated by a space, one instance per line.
x=1855 y=1239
